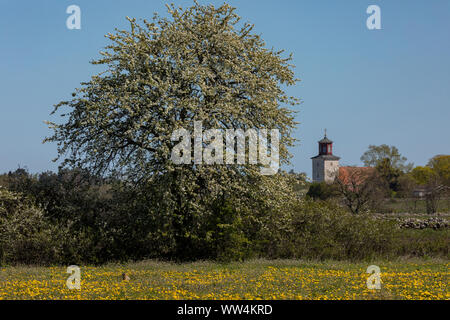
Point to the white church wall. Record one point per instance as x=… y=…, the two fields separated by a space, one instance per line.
x=318 y=170
x=331 y=168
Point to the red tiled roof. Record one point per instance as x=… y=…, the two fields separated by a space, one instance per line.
x=354 y=175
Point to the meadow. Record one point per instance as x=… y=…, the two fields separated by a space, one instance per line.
x=256 y=279
x=413 y=206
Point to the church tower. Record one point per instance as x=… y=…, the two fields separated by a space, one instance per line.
x=325 y=164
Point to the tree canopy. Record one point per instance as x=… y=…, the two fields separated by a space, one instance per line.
x=390 y=155
x=199 y=64
x=437 y=171
x=441 y=166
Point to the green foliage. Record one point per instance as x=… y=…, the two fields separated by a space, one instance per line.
x=321 y=230
x=377 y=154
x=390 y=164
x=390 y=174
x=426 y=243
x=435 y=177
x=322 y=191
x=25 y=234
x=406 y=186
x=423 y=175
x=441 y=167
x=133 y=228
x=226 y=236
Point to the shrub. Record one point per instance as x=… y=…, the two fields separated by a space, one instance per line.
x=25 y=234
x=322 y=191
x=423 y=243
x=321 y=230
x=226 y=238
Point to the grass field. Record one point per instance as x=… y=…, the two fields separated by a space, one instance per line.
x=414 y=206
x=259 y=279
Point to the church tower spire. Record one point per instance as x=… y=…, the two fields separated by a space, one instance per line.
x=325 y=145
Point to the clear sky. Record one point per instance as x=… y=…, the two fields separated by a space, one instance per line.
x=365 y=86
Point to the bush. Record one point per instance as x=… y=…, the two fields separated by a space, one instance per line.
x=321 y=230
x=424 y=243
x=322 y=191
x=226 y=238
x=26 y=236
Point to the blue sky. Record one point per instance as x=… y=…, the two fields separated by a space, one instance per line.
x=365 y=86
